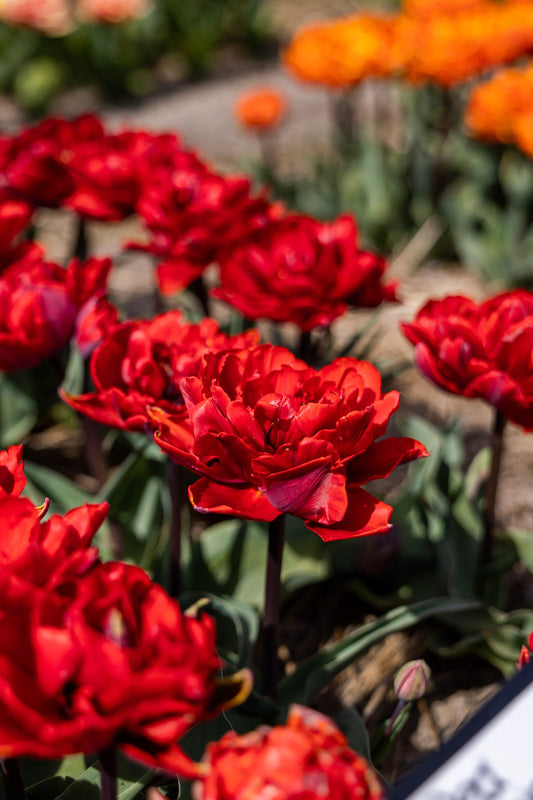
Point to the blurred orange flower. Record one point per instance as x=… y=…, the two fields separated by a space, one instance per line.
x=52 y=17
x=112 y=11
x=343 y=52
x=435 y=41
x=460 y=45
x=261 y=109
x=434 y=8
x=501 y=110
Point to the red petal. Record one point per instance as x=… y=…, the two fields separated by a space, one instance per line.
x=247 y=503
x=365 y=516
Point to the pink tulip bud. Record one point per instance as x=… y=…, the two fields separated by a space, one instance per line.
x=411 y=681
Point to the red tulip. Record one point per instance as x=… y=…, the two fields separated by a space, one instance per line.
x=39 y=305
x=15 y=215
x=480 y=350
x=31 y=548
x=299 y=270
x=99 y=657
x=36 y=162
x=12 y=480
x=192 y=216
x=110 y=172
x=141 y=363
x=308 y=758
x=270 y=435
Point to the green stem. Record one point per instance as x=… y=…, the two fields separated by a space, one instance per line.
x=270 y=627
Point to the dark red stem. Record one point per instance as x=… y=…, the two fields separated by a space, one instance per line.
x=81 y=245
x=108 y=773
x=177 y=497
x=12 y=775
x=492 y=488
x=270 y=628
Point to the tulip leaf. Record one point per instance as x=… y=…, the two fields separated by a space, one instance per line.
x=351 y=724
x=49 y=789
x=523 y=541
x=132 y=778
x=64 y=495
x=317 y=671
x=74 y=380
x=230 y=559
x=18 y=411
x=237 y=625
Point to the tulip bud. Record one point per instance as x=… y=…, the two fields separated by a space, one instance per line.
x=411 y=681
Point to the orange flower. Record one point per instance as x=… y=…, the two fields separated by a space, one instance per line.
x=501 y=110
x=261 y=109
x=439 y=41
x=433 y=8
x=460 y=45
x=112 y=11
x=51 y=17
x=343 y=52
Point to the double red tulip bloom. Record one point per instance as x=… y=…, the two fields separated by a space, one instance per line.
x=109 y=659
x=270 y=435
x=480 y=350
x=77 y=164
x=40 y=306
x=300 y=270
x=94 y=655
x=308 y=757
x=193 y=216
x=141 y=364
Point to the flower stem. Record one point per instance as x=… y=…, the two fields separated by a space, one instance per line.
x=12 y=775
x=492 y=488
x=108 y=773
x=175 y=482
x=270 y=628
x=81 y=246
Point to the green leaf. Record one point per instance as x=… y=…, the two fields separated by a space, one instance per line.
x=317 y=671
x=18 y=411
x=523 y=541
x=74 y=380
x=62 y=493
x=237 y=624
x=230 y=559
x=352 y=725
x=131 y=781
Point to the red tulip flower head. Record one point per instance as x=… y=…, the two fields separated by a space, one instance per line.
x=105 y=658
x=37 y=161
x=40 y=303
x=193 y=214
x=480 y=350
x=299 y=270
x=308 y=757
x=269 y=435
x=141 y=364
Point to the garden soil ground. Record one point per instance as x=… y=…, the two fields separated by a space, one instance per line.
x=202 y=113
